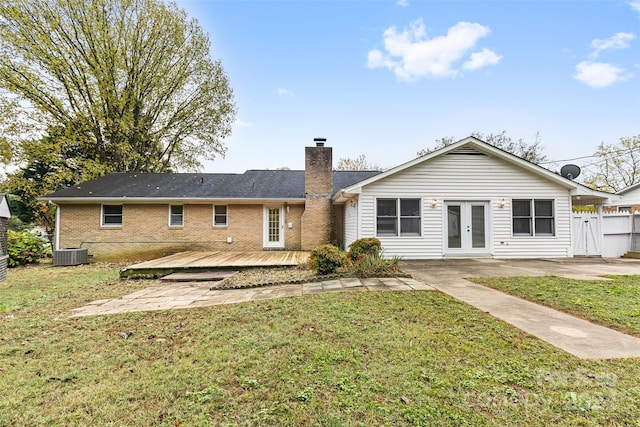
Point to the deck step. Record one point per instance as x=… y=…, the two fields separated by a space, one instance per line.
x=632 y=254
x=202 y=276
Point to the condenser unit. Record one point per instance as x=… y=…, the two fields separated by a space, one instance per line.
x=73 y=256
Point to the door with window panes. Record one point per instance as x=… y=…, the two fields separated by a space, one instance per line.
x=273 y=227
x=466 y=228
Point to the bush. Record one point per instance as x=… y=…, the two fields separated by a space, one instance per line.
x=366 y=246
x=371 y=265
x=26 y=247
x=326 y=259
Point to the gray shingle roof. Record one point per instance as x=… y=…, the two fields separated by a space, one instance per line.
x=253 y=184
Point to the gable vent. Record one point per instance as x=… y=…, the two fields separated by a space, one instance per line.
x=466 y=152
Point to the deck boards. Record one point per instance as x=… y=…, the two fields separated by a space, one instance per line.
x=200 y=260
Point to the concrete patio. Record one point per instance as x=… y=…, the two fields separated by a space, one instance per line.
x=197 y=294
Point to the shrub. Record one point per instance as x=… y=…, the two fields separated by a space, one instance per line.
x=326 y=259
x=26 y=247
x=371 y=265
x=366 y=246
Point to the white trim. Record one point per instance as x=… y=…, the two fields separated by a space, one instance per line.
x=226 y=216
x=5 y=212
x=165 y=200
x=265 y=228
x=102 y=224
x=482 y=147
x=466 y=247
x=58 y=207
x=181 y=216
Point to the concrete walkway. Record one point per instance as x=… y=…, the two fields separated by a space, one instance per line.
x=578 y=337
x=175 y=295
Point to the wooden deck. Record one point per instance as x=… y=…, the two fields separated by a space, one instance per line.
x=208 y=261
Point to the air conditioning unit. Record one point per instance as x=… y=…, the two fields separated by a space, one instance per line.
x=72 y=256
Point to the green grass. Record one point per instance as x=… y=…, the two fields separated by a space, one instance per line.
x=335 y=359
x=614 y=303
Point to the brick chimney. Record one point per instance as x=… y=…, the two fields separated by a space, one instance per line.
x=318 y=187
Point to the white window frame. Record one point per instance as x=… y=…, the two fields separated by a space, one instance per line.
x=399 y=217
x=226 y=216
x=533 y=216
x=172 y=215
x=102 y=216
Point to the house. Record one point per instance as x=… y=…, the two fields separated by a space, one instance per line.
x=139 y=215
x=5 y=214
x=469 y=199
x=629 y=200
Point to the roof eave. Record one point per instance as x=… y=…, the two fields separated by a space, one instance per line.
x=165 y=200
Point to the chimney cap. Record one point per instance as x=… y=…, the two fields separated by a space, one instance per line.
x=319 y=141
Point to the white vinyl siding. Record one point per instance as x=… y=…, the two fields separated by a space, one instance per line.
x=350 y=223
x=468 y=177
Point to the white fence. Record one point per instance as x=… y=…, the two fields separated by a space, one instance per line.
x=619 y=235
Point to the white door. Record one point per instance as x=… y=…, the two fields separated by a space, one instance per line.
x=586 y=234
x=273 y=227
x=466 y=228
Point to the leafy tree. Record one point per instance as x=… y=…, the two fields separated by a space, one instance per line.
x=359 y=163
x=532 y=152
x=132 y=80
x=617 y=167
x=98 y=86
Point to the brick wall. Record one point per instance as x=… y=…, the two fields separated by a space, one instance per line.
x=145 y=230
x=317 y=216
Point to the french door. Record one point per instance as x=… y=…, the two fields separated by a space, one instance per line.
x=466 y=228
x=273 y=227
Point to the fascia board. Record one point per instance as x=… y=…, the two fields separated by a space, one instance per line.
x=165 y=200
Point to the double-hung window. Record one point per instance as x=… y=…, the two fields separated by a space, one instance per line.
x=176 y=215
x=220 y=216
x=111 y=215
x=398 y=217
x=533 y=217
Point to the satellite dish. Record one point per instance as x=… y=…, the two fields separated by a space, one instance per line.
x=570 y=171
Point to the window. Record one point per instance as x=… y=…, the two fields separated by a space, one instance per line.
x=111 y=215
x=176 y=215
x=220 y=215
x=533 y=217
x=387 y=220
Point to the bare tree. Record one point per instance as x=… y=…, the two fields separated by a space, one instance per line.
x=532 y=152
x=617 y=167
x=359 y=163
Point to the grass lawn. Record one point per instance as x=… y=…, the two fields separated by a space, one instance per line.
x=614 y=303
x=335 y=359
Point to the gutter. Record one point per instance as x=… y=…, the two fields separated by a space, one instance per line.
x=164 y=200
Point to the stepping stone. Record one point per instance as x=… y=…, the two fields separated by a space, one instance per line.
x=203 y=276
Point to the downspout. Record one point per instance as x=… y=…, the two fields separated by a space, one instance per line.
x=57 y=235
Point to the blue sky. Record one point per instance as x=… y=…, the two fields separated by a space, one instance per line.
x=388 y=78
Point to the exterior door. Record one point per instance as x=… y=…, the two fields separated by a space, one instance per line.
x=273 y=227
x=466 y=228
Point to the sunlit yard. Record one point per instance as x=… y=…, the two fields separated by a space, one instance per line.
x=335 y=359
x=613 y=303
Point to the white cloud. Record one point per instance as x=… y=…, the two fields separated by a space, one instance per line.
x=410 y=53
x=617 y=41
x=635 y=5
x=242 y=124
x=284 y=92
x=402 y=3
x=482 y=59
x=599 y=74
